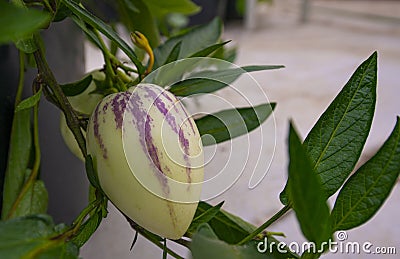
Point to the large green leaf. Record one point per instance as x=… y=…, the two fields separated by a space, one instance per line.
x=34 y=201
x=208 y=81
x=306 y=194
x=193 y=41
x=104 y=28
x=228 y=124
x=367 y=189
x=18 y=159
x=335 y=142
x=19 y=23
x=33 y=235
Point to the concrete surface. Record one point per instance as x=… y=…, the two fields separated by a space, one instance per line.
x=319 y=56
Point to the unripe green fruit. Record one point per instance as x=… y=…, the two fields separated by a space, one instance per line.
x=84 y=103
x=148 y=155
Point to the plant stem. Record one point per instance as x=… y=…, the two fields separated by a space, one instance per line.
x=165 y=249
x=80 y=219
x=49 y=80
x=261 y=228
x=108 y=57
x=182 y=242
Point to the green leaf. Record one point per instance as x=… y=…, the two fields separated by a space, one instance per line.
x=32 y=235
x=232 y=229
x=34 y=201
x=225 y=53
x=62 y=11
x=19 y=23
x=78 y=87
x=26 y=44
x=207 y=51
x=205 y=244
x=367 y=189
x=335 y=142
x=61 y=251
x=18 y=159
x=228 y=124
x=306 y=193
x=173 y=56
x=105 y=29
x=193 y=41
x=161 y=8
x=204 y=217
x=225 y=228
x=89 y=32
x=29 y=102
x=87 y=229
x=208 y=81
x=133 y=13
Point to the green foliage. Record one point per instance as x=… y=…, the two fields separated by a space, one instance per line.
x=78 y=87
x=208 y=81
x=192 y=42
x=225 y=227
x=91 y=173
x=174 y=55
x=209 y=50
x=206 y=244
x=18 y=159
x=306 y=194
x=87 y=229
x=29 y=102
x=228 y=124
x=33 y=202
x=141 y=11
x=367 y=189
x=104 y=28
x=335 y=142
x=20 y=23
x=203 y=218
x=33 y=237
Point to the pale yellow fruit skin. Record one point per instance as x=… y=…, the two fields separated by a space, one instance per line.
x=84 y=103
x=170 y=212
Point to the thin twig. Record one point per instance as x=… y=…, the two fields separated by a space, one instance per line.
x=49 y=79
x=261 y=228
